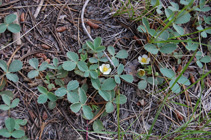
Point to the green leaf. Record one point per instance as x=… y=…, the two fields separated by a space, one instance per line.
x=168 y=48
x=3 y=65
x=198 y=55
x=3 y=27
x=61 y=92
x=164 y=35
x=12 y=77
x=190 y=46
x=90 y=45
x=15 y=66
x=117 y=79
x=168 y=73
x=42 y=90
x=184 y=81
x=82 y=95
x=18 y=133
x=34 y=63
x=100 y=49
x=174 y=7
x=82 y=66
x=14 y=28
x=122 y=54
x=72 y=56
x=87 y=112
x=97 y=42
x=33 y=74
x=8 y=93
x=108 y=84
x=4 y=132
x=179 y=29
x=10 y=18
x=120 y=69
x=10 y=124
x=43 y=66
x=62 y=73
x=145 y=23
x=151 y=48
x=128 y=78
x=6 y=99
x=96 y=83
x=42 y=98
x=75 y=107
x=104 y=94
x=184 y=17
x=4 y=107
x=72 y=85
x=94 y=74
x=15 y=103
x=205 y=59
x=98 y=125
x=72 y=97
x=142 y=84
x=115 y=61
x=152 y=81
x=55 y=61
x=69 y=65
x=51 y=105
x=111 y=50
x=169 y=14
x=175 y=88
x=120 y=99
x=208 y=30
x=141 y=29
x=93 y=60
x=51 y=96
x=199 y=64
x=109 y=107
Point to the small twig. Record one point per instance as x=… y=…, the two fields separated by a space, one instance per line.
x=16 y=36
x=38 y=9
x=84 y=27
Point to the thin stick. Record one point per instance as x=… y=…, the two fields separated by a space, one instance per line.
x=84 y=27
x=38 y=9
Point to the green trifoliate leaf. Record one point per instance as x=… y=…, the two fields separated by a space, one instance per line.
x=174 y=7
x=3 y=27
x=175 y=88
x=97 y=42
x=4 y=132
x=33 y=74
x=168 y=48
x=34 y=63
x=10 y=18
x=111 y=50
x=169 y=14
x=75 y=107
x=82 y=96
x=69 y=65
x=51 y=96
x=15 y=66
x=87 y=112
x=72 y=85
x=104 y=94
x=109 y=107
x=82 y=66
x=151 y=48
x=100 y=49
x=179 y=29
x=61 y=91
x=4 y=107
x=42 y=99
x=184 y=17
x=93 y=74
x=14 y=28
x=10 y=124
x=184 y=81
x=43 y=66
x=122 y=54
x=120 y=99
x=72 y=56
x=42 y=90
x=142 y=84
x=164 y=35
x=96 y=83
x=72 y=97
x=93 y=60
x=128 y=78
x=12 y=77
x=115 y=61
x=120 y=69
x=90 y=45
x=108 y=84
x=168 y=73
x=6 y=99
x=190 y=46
x=51 y=105
x=98 y=126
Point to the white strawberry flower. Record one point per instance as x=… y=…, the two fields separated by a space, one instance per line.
x=144 y=59
x=105 y=68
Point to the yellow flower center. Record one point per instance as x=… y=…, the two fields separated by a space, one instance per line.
x=141 y=73
x=144 y=60
x=105 y=69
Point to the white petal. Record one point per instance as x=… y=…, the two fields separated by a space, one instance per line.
x=144 y=56
x=139 y=58
x=148 y=59
x=108 y=71
x=107 y=65
x=101 y=68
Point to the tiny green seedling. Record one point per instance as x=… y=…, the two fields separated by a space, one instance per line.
x=9 y=25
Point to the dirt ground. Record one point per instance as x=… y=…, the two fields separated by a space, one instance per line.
x=58 y=26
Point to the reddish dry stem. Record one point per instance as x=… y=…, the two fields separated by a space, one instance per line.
x=91 y=24
x=61 y=29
